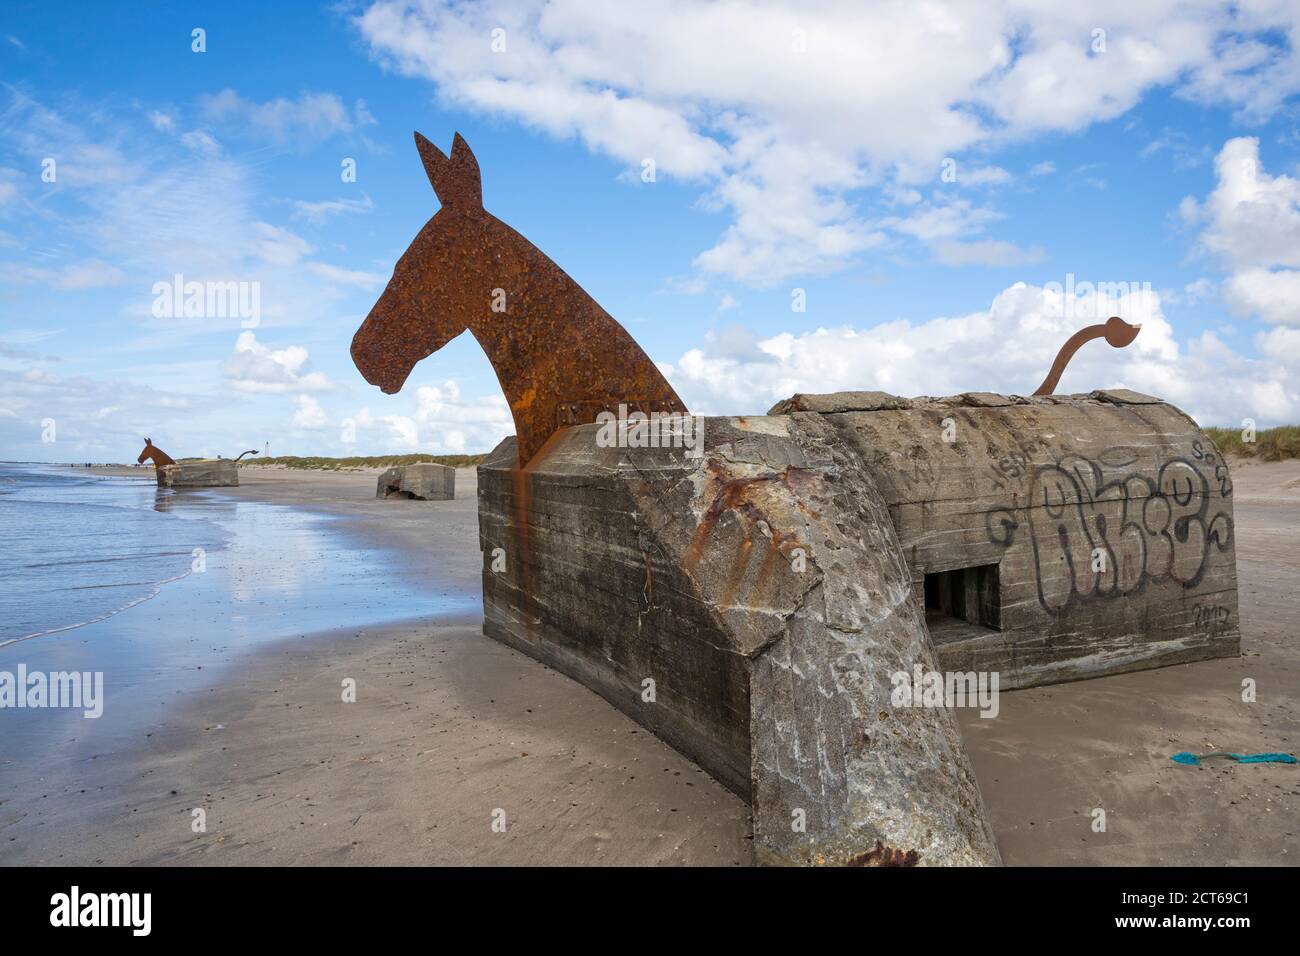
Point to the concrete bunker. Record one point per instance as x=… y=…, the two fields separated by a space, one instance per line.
x=200 y=473
x=423 y=481
x=1053 y=538
x=769 y=590
x=754 y=599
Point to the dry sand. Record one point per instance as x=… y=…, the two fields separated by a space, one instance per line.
x=449 y=728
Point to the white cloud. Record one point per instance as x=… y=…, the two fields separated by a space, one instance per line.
x=1198 y=290
x=86 y=274
x=985 y=176
x=306 y=121
x=1007 y=348
x=309 y=413
x=1253 y=218
x=254 y=367
x=200 y=141
x=783 y=130
x=94 y=419
x=277 y=246
x=985 y=252
x=318 y=212
x=353 y=277
x=1252 y=223
x=1273 y=296
x=8 y=184
x=435 y=419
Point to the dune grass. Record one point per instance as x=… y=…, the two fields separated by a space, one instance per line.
x=1270 y=444
x=319 y=463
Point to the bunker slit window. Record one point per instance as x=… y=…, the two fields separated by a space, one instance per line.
x=957 y=599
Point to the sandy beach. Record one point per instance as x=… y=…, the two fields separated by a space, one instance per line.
x=451 y=731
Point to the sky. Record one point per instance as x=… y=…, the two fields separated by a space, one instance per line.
x=922 y=197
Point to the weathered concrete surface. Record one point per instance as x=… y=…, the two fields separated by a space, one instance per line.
x=206 y=473
x=749 y=606
x=425 y=481
x=1106 y=520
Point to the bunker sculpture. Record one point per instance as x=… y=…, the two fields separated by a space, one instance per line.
x=193 y=472
x=759 y=590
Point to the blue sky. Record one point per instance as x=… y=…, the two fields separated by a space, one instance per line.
x=928 y=176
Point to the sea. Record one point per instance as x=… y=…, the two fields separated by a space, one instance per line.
x=161 y=591
x=79 y=548
x=76 y=548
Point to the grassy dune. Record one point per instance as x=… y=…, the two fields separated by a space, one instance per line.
x=317 y=463
x=1270 y=444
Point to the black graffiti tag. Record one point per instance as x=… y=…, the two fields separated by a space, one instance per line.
x=1095 y=534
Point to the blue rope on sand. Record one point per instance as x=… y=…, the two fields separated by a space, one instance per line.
x=1192 y=760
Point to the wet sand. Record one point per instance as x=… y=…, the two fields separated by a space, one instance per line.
x=449 y=728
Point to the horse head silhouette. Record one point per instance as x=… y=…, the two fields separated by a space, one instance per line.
x=560 y=358
x=159 y=456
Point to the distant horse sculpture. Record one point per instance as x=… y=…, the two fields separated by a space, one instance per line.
x=1115 y=330
x=159 y=456
x=560 y=358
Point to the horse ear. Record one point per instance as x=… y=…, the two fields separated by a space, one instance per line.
x=455 y=180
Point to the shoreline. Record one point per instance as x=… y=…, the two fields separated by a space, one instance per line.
x=450 y=726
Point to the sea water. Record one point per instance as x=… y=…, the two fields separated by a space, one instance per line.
x=77 y=548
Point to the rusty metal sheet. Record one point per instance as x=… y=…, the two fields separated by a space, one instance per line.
x=560 y=358
x=1115 y=330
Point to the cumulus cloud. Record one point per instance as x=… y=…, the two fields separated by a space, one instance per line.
x=1252 y=223
x=92 y=419
x=775 y=109
x=1253 y=219
x=254 y=367
x=1273 y=296
x=436 y=419
x=309 y=413
x=1005 y=348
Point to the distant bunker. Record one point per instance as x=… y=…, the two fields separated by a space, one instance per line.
x=754 y=601
x=200 y=473
x=425 y=481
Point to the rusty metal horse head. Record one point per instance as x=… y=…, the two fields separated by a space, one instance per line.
x=159 y=456
x=560 y=358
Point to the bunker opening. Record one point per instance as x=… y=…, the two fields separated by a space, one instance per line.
x=961 y=599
